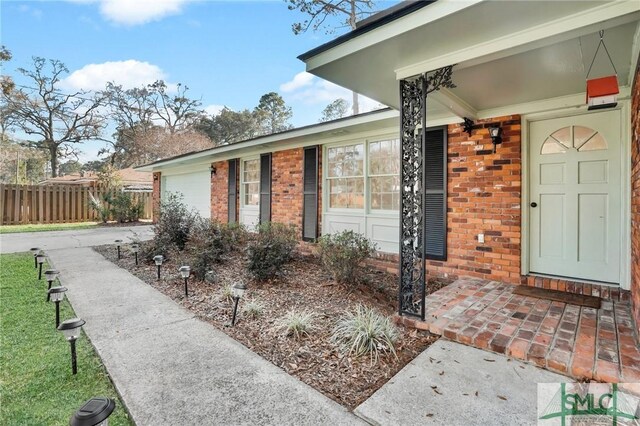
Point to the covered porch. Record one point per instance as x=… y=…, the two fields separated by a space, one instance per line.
x=517 y=211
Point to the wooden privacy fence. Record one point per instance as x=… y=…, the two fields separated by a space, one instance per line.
x=23 y=204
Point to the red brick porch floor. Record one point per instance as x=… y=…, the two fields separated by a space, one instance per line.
x=577 y=341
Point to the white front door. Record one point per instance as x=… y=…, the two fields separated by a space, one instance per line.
x=575 y=196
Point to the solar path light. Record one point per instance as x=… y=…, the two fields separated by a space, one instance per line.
x=118 y=244
x=94 y=412
x=35 y=251
x=56 y=295
x=237 y=290
x=71 y=330
x=185 y=271
x=50 y=275
x=40 y=257
x=158 y=259
x=135 y=248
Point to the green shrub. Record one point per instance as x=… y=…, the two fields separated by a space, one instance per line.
x=364 y=331
x=271 y=248
x=341 y=253
x=124 y=208
x=296 y=324
x=100 y=207
x=172 y=228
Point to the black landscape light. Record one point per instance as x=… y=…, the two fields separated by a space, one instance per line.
x=50 y=275
x=56 y=295
x=40 y=257
x=135 y=248
x=158 y=259
x=71 y=330
x=118 y=244
x=185 y=271
x=237 y=290
x=35 y=251
x=94 y=412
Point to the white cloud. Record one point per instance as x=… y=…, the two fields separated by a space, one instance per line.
x=128 y=74
x=311 y=90
x=213 y=109
x=137 y=12
x=300 y=80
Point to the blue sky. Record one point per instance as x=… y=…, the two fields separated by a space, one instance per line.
x=228 y=52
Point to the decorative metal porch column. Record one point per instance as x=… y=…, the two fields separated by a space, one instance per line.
x=413 y=118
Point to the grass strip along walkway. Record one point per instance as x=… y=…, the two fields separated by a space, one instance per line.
x=39 y=227
x=36 y=384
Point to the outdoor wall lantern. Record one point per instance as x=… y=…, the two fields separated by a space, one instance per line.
x=237 y=290
x=213 y=170
x=158 y=259
x=35 y=251
x=135 y=248
x=40 y=260
x=50 y=275
x=496 y=137
x=185 y=271
x=94 y=412
x=71 y=330
x=56 y=295
x=118 y=244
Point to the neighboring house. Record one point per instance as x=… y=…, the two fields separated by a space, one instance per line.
x=131 y=180
x=560 y=196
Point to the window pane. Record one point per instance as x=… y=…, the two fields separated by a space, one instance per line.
x=384 y=157
x=344 y=161
x=346 y=193
x=385 y=192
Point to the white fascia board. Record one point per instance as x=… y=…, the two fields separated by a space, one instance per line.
x=204 y=156
x=608 y=15
x=570 y=101
x=431 y=13
x=454 y=104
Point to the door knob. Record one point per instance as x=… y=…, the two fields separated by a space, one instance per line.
x=534 y=204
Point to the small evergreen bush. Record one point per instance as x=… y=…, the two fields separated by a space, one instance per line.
x=271 y=248
x=341 y=253
x=209 y=241
x=124 y=208
x=364 y=331
x=172 y=228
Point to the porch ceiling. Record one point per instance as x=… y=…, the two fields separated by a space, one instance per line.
x=507 y=53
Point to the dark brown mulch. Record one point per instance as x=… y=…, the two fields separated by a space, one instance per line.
x=304 y=285
x=113 y=224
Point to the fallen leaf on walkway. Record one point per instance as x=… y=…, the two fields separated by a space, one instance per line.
x=476 y=393
x=502 y=397
x=429 y=415
x=441 y=373
x=490 y=360
x=465 y=394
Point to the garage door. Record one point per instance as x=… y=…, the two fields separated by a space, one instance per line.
x=195 y=189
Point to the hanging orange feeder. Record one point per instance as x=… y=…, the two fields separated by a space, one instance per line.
x=602 y=92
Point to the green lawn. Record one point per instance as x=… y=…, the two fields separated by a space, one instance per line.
x=36 y=384
x=10 y=229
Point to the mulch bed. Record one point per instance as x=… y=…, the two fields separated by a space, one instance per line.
x=304 y=285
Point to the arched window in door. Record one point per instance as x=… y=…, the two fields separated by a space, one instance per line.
x=579 y=138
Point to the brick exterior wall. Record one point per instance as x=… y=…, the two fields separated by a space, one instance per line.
x=156 y=194
x=286 y=187
x=635 y=198
x=219 y=191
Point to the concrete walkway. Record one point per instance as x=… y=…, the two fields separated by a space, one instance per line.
x=173 y=369
x=453 y=384
x=53 y=240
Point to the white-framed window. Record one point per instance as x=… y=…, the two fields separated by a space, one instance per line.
x=364 y=175
x=384 y=175
x=251 y=182
x=345 y=176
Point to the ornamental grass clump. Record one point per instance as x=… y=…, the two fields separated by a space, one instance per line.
x=341 y=253
x=296 y=324
x=365 y=331
x=253 y=309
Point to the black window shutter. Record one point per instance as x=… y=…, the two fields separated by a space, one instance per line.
x=233 y=191
x=265 y=188
x=310 y=196
x=435 y=157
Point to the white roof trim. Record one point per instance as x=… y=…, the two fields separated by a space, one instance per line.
x=545 y=34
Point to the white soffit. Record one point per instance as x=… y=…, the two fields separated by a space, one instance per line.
x=482 y=34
